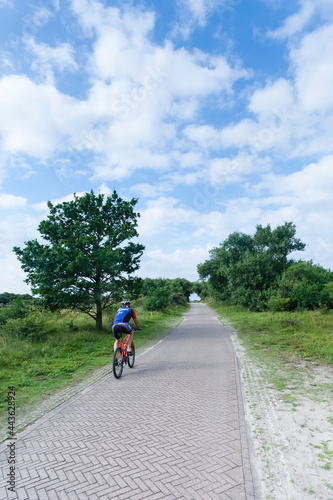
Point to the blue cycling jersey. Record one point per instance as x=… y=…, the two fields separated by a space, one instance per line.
x=123 y=315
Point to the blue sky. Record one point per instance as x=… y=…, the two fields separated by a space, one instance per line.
x=217 y=115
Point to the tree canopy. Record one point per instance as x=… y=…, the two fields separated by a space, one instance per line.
x=245 y=269
x=87 y=261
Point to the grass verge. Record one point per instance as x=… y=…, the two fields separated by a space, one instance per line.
x=72 y=353
x=289 y=348
x=290 y=336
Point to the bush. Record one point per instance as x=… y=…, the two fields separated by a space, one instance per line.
x=157 y=293
x=13 y=310
x=328 y=289
x=157 y=299
x=278 y=304
x=178 y=299
x=308 y=286
x=36 y=325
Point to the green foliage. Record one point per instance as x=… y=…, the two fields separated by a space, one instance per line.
x=6 y=297
x=13 y=310
x=307 y=286
x=181 y=286
x=85 y=263
x=178 y=299
x=35 y=325
x=245 y=269
x=158 y=294
x=161 y=292
x=201 y=289
x=328 y=288
x=278 y=304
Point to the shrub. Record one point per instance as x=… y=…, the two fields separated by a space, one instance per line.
x=157 y=299
x=157 y=293
x=307 y=285
x=178 y=299
x=278 y=304
x=13 y=310
x=36 y=325
x=328 y=289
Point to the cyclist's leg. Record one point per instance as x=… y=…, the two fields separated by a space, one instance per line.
x=117 y=335
x=130 y=338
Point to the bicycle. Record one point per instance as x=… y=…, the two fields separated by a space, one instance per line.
x=120 y=356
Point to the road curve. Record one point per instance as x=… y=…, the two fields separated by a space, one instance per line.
x=173 y=427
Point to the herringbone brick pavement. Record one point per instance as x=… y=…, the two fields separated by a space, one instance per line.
x=171 y=428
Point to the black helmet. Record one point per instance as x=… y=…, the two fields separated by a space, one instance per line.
x=126 y=302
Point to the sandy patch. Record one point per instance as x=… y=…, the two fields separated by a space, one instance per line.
x=292 y=428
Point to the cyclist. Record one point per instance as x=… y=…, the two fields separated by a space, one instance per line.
x=121 y=324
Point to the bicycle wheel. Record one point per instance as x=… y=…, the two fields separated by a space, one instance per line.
x=131 y=359
x=117 y=364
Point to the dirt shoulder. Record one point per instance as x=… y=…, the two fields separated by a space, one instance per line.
x=290 y=413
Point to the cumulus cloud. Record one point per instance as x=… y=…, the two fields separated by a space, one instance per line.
x=47 y=58
x=36 y=119
x=313 y=70
x=141 y=93
x=287 y=116
x=69 y=197
x=296 y=23
x=177 y=263
x=194 y=13
x=9 y=201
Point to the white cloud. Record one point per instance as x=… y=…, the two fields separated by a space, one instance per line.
x=141 y=91
x=296 y=22
x=299 y=21
x=15 y=228
x=178 y=263
x=311 y=185
x=36 y=119
x=69 y=197
x=10 y=201
x=195 y=13
x=276 y=97
x=49 y=58
x=311 y=61
x=199 y=9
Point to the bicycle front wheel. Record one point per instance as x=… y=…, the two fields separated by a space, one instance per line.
x=117 y=364
x=131 y=358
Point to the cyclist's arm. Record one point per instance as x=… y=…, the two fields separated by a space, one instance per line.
x=136 y=323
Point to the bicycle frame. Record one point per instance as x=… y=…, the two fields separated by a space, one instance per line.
x=123 y=345
x=121 y=357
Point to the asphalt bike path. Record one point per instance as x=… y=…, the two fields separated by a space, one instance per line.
x=172 y=427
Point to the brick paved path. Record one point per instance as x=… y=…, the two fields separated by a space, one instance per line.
x=170 y=428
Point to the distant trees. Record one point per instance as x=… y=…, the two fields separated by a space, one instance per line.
x=87 y=261
x=6 y=297
x=159 y=293
x=255 y=271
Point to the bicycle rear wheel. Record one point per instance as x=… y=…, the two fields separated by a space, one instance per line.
x=131 y=358
x=117 y=364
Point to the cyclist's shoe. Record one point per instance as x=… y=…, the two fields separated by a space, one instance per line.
x=129 y=353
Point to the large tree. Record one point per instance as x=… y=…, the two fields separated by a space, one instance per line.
x=245 y=269
x=87 y=261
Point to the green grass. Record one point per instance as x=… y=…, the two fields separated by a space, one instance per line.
x=304 y=335
x=39 y=369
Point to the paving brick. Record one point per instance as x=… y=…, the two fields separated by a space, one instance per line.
x=171 y=428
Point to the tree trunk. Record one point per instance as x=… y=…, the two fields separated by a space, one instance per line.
x=99 y=315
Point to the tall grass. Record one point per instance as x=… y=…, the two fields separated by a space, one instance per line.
x=306 y=335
